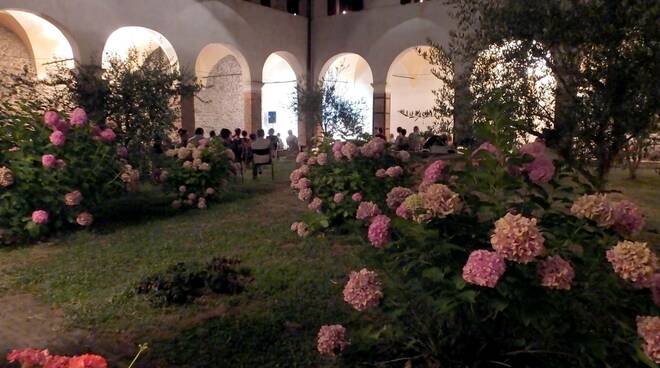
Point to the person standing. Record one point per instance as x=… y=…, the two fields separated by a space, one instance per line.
x=292 y=142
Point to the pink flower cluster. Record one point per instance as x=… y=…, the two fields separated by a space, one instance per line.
x=316 y=204
x=394 y=171
x=85 y=219
x=33 y=358
x=434 y=172
x=487 y=147
x=57 y=138
x=556 y=273
x=301 y=158
x=634 y=262
x=300 y=228
x=374 y=148
x=78 y=117
x=484 y=268
x=381 y=173
x=336 y=150
x=338 y=197
x=439 y=201
x=322 y=159
x=350 y=150
x=379 y=231
x=72 y=199
x=517 y=238
x=624 y=216
x=357 y=197
x=363 y=290
x=541 y=169
x=331 y=340
x=396 y=196
x=367 y=210
x=648 y=328
x=40 y=217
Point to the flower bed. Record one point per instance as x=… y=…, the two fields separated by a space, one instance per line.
x=197 y=172
x=345 y=179
x=499 y=258
x=55 y=172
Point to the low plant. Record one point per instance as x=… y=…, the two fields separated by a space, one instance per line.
x=504 y=257
x=183 y=283
x=338 y=177
x=196 y=173
x=55 y=171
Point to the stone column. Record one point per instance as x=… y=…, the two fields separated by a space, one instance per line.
x=382 y=106
x=252 y=101
x=188 y=113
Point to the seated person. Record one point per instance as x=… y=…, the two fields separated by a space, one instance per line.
x=261 y=152
x=292 y=142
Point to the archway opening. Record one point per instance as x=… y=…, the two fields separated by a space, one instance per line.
x=147 y=44
x=415 y=88
x=516 y=73
x=33 y=44
x=277 y=95
x=222 y=71
x=354 y=81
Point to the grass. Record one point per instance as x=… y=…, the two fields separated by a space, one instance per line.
x=91 y=276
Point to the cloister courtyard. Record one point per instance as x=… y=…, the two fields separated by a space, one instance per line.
x=329 y=183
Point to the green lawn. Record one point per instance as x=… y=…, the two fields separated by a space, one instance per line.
x=297 y=284
x=91 y=276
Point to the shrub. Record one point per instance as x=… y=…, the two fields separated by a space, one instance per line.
x=504 y=257
x=53 y=172
x=197 y=173
x=341 y=177
x=182 y=283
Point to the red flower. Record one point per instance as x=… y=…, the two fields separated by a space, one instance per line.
x=57 y=361
x=28 y=358
x=88 y=361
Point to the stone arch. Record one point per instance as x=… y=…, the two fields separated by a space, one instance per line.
x=354 y=79
x=411 y=83
x=280 y=74
x=145 y=40
x=224 y=75
x=39 y=44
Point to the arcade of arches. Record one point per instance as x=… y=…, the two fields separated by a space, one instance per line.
x=242 y=88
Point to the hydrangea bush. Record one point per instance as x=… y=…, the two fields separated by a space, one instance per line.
x=55 y=172
x=196 y=173
x=343 y=181
x=500 y=257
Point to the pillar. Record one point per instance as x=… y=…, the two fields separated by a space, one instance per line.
x=382 y=106
x=252 y=101
x=188 y=113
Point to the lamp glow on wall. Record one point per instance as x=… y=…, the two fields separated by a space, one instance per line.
x=144 y=40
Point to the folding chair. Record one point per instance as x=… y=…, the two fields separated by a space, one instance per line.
x=262 y=157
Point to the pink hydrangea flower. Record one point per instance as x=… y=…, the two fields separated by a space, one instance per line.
x=633 y=261
x=40 y=217
x=122 y=151
x=349 y=150
x=628 y=218
x=413 y=208
x=541 y=170
x=534 y=149
x=78 y=117
x=337 y=155
x=322 y=159
x=294 y=177
x=72 y=199
x=648 y=328
x=301 y=158
x=439 y=201
x=404 y=156
x=300 y=228
x=316 y=204
x=655 y=288
x=367 y=210
x=403 y=211
x=556 y=273
x=57 y=138
x=396 y=196
x=331 y=340
x=379 y=231
x=484 y=268
x=28 y=357
x=57 y=361
x=374 y=148
x=357 y=197
x=60 y=125
x=305 y=195
x=337 y=146
x=363 y=290
x=88 y=361
x=51 y=118
x=85 y=219
x=49 y=161
x=434 y=171
x=595 y=207
x=517 y=238
x=338 y=197
x=381 y=173
x=311 y=161
x=394 y=171
x=487 y=147
x=108 y=135
x=304 y=183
